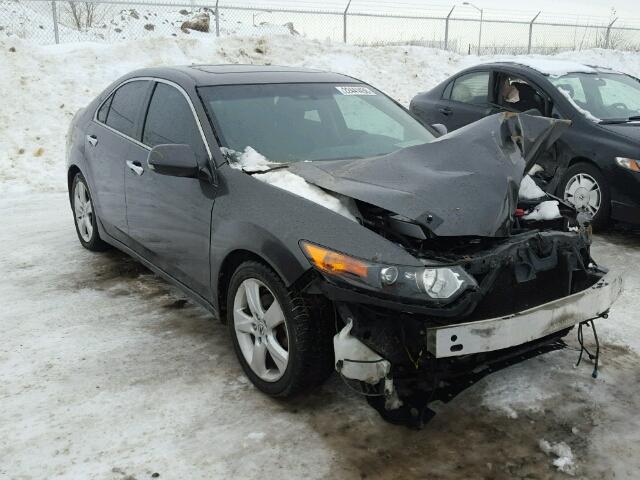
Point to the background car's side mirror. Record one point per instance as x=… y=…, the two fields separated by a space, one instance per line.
x=440 y=128
x=175 y=160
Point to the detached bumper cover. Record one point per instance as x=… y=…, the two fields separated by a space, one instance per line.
x=526 y=326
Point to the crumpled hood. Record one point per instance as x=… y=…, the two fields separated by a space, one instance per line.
x=464 y=183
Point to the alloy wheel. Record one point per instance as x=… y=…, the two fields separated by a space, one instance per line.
x=83 y=210
x=261 y=330
x=583 y=192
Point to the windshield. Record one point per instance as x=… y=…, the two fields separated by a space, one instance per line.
x=606 y=96
x=311 y=121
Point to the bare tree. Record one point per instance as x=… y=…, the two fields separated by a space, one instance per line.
x=83 y=14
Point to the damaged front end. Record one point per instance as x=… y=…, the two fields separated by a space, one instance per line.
x=505 y=276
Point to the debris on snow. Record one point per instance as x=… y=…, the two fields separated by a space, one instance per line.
x=564 y=461
x=544 y=211
x=529 y=190
x=252 y=162
x=200 y=23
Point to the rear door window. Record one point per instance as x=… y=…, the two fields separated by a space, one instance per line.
x=124 y=108
x=170 y=120
x=472 y=88
x=104 y=110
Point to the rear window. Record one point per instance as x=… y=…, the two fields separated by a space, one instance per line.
x=124 y=107
x=472 y=88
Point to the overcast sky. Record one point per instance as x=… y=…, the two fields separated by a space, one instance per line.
x=625 y=9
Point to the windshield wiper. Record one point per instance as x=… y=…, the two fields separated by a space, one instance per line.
x=265 y=168
x=612 y=121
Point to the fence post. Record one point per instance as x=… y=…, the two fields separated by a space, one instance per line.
x=607 y=36
x=217 y=20
x=54 y=12
x=446 y=29
x=344 y=22
x=531 y=31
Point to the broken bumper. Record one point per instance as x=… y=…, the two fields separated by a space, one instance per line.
x=526 y=326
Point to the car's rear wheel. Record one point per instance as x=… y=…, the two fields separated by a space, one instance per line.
x=283 y=345
x=584 y=186
x=84 y=215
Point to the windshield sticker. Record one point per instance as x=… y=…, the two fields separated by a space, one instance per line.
x=355 y=91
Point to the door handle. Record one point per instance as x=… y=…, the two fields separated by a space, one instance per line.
x=135 y=167
x=92 y=139
x=445 y=111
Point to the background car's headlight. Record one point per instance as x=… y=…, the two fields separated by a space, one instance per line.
x=628 y=163
x=416 y=283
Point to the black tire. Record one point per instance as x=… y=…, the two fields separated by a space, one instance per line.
x=93 y=242
x=602 y=217
x=309 y=332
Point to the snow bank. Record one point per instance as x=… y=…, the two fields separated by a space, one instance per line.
x=544 y=211
x=119 y=22
x=529 y=190
x=564 y=456
x=43 y=86
x=252 y=161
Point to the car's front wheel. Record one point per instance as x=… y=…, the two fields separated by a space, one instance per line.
x=584 y=186
x=283 y=344
x=84 y=215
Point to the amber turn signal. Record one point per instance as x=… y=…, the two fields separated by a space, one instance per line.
x=333 y=262
x=628 y=163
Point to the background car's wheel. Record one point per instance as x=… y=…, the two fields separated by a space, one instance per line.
x=584 y=186
x=284 y=345
x=84 y=215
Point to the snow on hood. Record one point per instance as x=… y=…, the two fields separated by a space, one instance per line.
x=276 y=174
x=548 y=210
x=529 y=190
x=586 y=113
x=466 y=183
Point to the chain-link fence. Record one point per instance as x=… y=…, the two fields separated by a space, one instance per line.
x=488 y=32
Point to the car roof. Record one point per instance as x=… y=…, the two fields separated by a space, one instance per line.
x=240 y=74
x=547 y=67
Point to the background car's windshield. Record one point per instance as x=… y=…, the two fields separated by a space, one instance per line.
x=607 y=96
x=294 y=122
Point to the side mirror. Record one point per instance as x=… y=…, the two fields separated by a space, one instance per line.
x=175 y=160
x=440 y=128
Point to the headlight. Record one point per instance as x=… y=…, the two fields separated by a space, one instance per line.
x=416 y=283
x=628 y=163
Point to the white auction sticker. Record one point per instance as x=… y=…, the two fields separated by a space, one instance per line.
x=355 y=91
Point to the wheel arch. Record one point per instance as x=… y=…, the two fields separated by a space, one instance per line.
x=229 y=265
x=71 y=174
x=581 y=159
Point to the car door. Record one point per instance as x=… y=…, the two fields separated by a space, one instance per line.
x=107 y=145
x=169 y=218
x=465 y=100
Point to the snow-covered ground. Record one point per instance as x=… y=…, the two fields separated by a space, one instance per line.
x=107 y=372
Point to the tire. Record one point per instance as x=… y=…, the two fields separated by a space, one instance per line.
x=581 y=175
x=303 y=332
x=84 y=216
